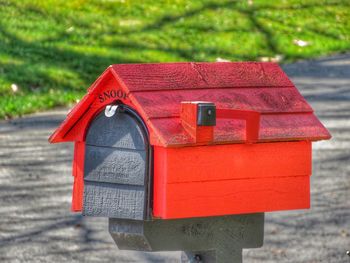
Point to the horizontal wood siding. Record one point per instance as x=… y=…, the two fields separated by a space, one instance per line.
x=231 y=179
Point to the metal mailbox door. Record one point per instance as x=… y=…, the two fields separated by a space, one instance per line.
x=116 y=165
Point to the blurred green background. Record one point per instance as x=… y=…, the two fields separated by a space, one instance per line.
x=51 y=51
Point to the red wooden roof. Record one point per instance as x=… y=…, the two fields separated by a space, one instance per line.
x=157 y=90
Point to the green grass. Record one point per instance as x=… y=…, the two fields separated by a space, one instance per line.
x=54 y=49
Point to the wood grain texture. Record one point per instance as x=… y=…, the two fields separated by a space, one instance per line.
x=111 y=165
x=114 y=200
x=155 y=91
x=265 y=176
x=235 y=161
x=231 y=179
x=161 y=76
x=273 y=128
x=161 y=104
x=214 y=198
x=115 y=167
x=189 y=117
x=251 y=118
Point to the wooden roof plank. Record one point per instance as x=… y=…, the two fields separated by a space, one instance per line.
x=161 y=76
x=156 y=91
x=161 y=104
x=280 y=127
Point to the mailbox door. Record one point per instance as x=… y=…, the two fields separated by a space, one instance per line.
x=116 y=166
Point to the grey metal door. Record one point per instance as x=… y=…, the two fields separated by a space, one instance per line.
x=116 y=166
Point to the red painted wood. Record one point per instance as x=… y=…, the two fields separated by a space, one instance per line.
x=261 y=87
x=79 y=110
x=159 y=180
x=161 y=104
x=73 y=127
x=217 y=179
x=252 y=121
x=231 y=179
x=78 y=173
x=200 y=134
x=214 y=198
x=234 y=161
x=172 y=76
x=205 y=134
x=281 y=127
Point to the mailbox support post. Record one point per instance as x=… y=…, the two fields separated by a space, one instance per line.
x=207 y=240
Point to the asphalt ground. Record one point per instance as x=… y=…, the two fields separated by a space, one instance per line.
x=36 y=224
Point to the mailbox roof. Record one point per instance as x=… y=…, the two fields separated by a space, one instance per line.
x=157 y=90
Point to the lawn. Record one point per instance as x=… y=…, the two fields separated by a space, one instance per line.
x=52 y=50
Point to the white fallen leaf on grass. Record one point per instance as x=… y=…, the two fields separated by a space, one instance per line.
x=300 y=43
x=129 y=22
x=276 y=59
x=70 y=29
x=14 y=87
x=222 y=60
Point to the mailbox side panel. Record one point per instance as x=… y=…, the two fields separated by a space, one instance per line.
x=231 y=179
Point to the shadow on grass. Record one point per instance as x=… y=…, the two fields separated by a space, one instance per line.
x=88 y=66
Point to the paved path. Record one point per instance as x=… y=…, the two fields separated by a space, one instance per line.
x=35 y=184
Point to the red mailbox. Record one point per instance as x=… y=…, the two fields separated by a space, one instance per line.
x=222 y=138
